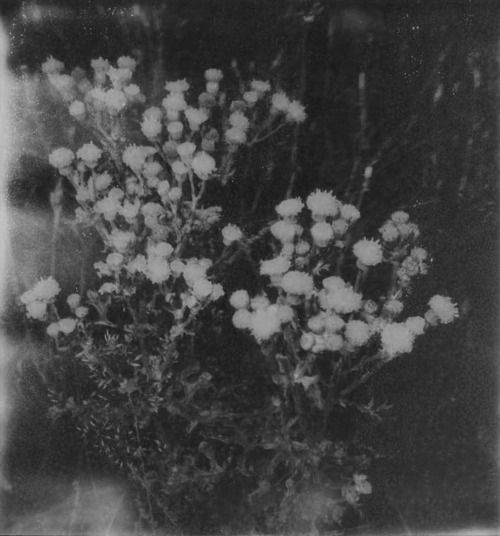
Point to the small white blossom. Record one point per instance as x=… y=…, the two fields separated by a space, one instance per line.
x=175 y=129
x=102 y=181
x=90 y=154
x=296 y=112
x=67 y=325
x=213 y=75
x=397 y=339
x=235 y=135
x=126 y=62
x=261 y=86
x=250 y=97
x=239 y=120
x=322 y=204
x=339 y=227
x=108 y=288
x=350 y=213
x=51 y=66
x=322 y=233
x=36 y=309
x=299 y=283
x=195 y=117
x=280 y=102
x=333 y=323
x=277 y=266
x=134 y=156
x=290 y=208
x=53 y=329
x=151 y=128
x=121 y=240
x=368 y=252
x=186 y=150
x=343 y=300
x=174 y=102
x=203 y=165
x=400 y=216
x=157 y=270
x=114 y=260
x=73 y=300
x=174 y=194
x=81 y=312
x=333 y=282
x=239 y=299
x=77 y=109
x=416 y=325
x=231 y=233
x=153 y=113
x=443 y=308
x=393 y=307
x=115 y=100
x=357 y=332
x=389 y=231
x=61 y=157
x=119 y=77
x=284 y=231
x=242 y=319
x=265 y=323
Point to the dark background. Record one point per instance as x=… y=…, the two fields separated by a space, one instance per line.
x=435 y=157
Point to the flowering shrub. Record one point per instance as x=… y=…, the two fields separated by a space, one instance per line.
x=133 y=357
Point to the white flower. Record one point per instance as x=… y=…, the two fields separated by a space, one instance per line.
x=265 y=323
x=350 y=213
x=400 y=217
x=150 y=127
x=130 y=210
x=416 y=325
x=51 y=66
x=333 y=282
x=174 y=102
x=132 y=91
x=322 y=204
x=73 y=300
x=302 y=247
x=203 y=165
x=174 y=194
x=235 y=135
x=259 y=302
x=121 y=240
x=99 y=64
x=163 y=187
x=177 y=86
x=53 y=329
x=231 y=233
x=284 y=231
x=280 y=102
x=185 y=150
x=160 y=249
x=261 y=86
x=307 y=341
x=67 y=325
x=119 y=77
x=242 y=319
x=126 y=62
x=102 y=181
x=153 y=113
x=343 y=300
x=81 y=312
x=134 y=156
x=61 y=158
x=213 y=75
x=64 y=83
x=419 y=253
x=157 y=270
x=357 y=332
x=77 y=109
x=277 y=266
x=89 y=153
x=239 y=120
x=316 y=323
x=114 y=261
x=334 y=342
x=289 y=208
x=108 y=207
x=107 y=288
x=368 y=252
x=389 y=231
x=175 y=129
x=322 y=233
x=333 y=323
x=137 y=265
x=296 y=112
x=239 y=299
x=443 y=308
x=285 y=313
x=202 y=288
x=393 y=307
x=193 y=271
x=102 y=269
x=250 y=97
x=195 y=117
x=299 y=283
x=36 y=309
x=217 y=291
x=361 y=484
x=115 y=100
x=45 y=290
x=339 y=227
x=397 y=339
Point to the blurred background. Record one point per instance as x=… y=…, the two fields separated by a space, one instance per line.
x=410 y=89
